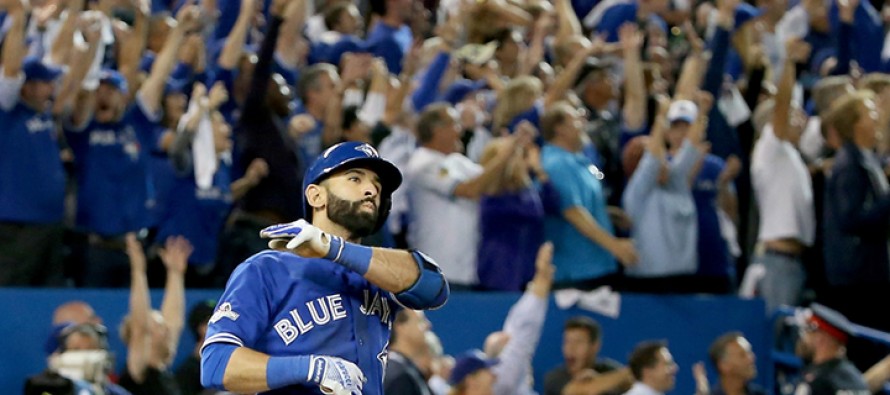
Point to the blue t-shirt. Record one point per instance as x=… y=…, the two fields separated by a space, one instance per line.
x=115 y=189
x=575 y=256
x=284 y=305
x=198 y=214
x=713 y=254
x=391 y=44
x=32 y=180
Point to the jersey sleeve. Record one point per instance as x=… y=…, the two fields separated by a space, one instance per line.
x=9 y=90
x=436 y=177
x=243 y=309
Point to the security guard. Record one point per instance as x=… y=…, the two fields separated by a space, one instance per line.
x=823 y=344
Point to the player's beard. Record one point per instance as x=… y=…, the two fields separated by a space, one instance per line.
x=349 y=214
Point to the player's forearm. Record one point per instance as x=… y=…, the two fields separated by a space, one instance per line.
x=392 y=270
x=246 y=371
x=414 y=278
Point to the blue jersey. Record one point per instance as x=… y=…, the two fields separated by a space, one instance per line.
x=198 y=214
x=114 y=187
x=32 y=180
x=284 y=305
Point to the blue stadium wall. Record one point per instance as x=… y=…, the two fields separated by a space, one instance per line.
x=687 y=323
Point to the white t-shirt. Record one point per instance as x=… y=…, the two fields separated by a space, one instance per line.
x=443 y=226
x=398 y=147
x=784 y=190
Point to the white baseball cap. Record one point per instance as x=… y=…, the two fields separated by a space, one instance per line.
x=682 y=110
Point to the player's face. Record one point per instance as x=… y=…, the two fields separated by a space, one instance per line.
x=578 y=350
x=739 y=359
x=664 y=373
x=353 y=200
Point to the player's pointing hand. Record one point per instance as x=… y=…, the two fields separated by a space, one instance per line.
x=300 y=237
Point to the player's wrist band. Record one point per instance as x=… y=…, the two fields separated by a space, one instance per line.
x=354 y=256
x=284 y=371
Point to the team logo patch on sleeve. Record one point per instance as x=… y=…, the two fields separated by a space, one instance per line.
x=224 y=311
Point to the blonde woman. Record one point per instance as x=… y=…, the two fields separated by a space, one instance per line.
x=512 y=213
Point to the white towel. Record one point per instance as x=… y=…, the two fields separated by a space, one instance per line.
x=203 y=149
x=601 y=300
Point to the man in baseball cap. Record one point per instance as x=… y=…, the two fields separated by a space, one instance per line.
x=319 y=266
x=33 y=187
x=824 y=335
x=682 y=111
x=472 y=374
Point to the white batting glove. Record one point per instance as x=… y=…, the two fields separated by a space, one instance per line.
x=299 y=236
x=335 y=376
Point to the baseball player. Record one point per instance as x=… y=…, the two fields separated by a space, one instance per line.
x=314 y=314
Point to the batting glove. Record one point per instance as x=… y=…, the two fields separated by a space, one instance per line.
x=335 y=376
x=298 y=235
x=308 y=241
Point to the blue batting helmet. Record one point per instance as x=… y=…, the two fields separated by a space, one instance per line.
x=351 y=155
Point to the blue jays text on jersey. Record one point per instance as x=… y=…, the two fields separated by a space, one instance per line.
x=281 y=304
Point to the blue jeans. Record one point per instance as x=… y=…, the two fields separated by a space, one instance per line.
x=783 y=282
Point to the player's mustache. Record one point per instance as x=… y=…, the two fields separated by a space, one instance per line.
x=366 y=200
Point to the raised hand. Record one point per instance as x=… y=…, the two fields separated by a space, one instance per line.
x=630 y=37
x=189 y=17
x=336 y=376
x=218 y=95
x=175 y=254
x=90 y=26
x=798 y=51
x=300 y=125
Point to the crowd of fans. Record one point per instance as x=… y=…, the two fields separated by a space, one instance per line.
x=660 y=146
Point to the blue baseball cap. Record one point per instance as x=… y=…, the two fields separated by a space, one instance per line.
x=468 y=363
x=347 y=44
x=36 y=70
x=461 y=88
x=113 y=78
x=745 y=12
x=351 y=155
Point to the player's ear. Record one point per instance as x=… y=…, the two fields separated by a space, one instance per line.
x=316 y=195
